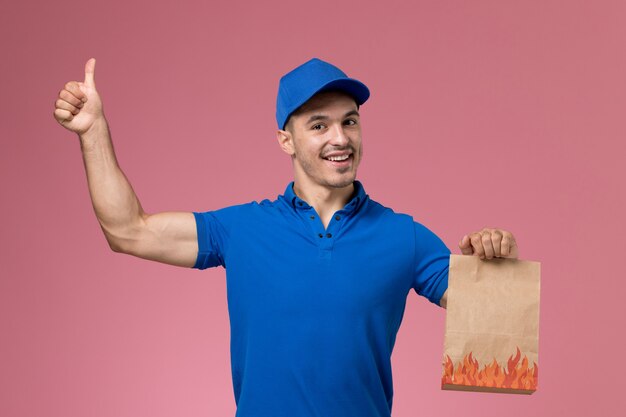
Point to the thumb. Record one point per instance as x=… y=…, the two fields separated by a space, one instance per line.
x=90 y=68
x=464 y=245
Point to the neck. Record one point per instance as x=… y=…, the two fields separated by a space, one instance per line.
x=325 y=200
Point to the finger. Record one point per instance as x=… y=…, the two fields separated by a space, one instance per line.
x=62 y=115
x=508 y=245
x=487 y=245
x=477 y=245
x=90 y=69
x=62 y=104
x=74 y=88
x=464 y=245
x=496 y=239
x=70 y=98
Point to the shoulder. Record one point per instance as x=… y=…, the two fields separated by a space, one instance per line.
x=252 y=210
x=388 y=213
x=242 y=209
x=420 y=230
x=394 y=224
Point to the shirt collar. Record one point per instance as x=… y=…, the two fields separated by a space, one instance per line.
x=359 y=197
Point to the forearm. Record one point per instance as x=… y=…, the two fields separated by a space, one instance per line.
x=115 y=203
x=444 y=300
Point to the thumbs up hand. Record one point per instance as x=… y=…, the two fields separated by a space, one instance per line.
x=78 y=106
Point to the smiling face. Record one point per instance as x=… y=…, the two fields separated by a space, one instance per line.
x=323 y=138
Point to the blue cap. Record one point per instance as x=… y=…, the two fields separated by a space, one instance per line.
x=303 y=82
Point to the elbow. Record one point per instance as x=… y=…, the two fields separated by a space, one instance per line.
x=115 y=247
x=125 y=239
x=112 y=239
x=119 y=240
x=115 y=241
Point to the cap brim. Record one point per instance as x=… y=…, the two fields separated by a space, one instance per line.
x=354 y=87
x=351 y=86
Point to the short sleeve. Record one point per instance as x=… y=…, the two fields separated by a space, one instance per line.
x=214 y=230
x=432 y=260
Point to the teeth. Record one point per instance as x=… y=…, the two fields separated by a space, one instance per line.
x=338 y=158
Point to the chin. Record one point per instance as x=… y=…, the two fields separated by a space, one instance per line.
x=341 y=182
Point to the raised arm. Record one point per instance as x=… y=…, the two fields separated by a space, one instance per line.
x=168 y=237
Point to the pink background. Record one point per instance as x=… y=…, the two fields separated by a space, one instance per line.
x=504 y=114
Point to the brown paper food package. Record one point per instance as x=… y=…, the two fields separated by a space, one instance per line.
x=492 y=325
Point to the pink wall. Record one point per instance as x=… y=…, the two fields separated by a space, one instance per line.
x=483 y=113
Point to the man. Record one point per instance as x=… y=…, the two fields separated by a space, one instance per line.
x=317 y=279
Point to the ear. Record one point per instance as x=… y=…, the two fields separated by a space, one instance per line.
x=285 y=141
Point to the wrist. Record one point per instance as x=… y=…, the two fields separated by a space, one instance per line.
x=97 y=129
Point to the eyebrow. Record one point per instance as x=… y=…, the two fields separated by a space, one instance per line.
x=324 y=117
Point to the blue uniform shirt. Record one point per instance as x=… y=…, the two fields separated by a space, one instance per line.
x=314 y=312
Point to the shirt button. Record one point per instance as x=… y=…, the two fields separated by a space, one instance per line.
x=321 y=235
x=329 y=235
x=312 y=217
x=337 y=217
x=299 y=203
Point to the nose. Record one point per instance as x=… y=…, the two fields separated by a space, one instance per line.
x=339 y=137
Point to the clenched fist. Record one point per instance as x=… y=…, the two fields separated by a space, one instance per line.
x=490 y=243
x=79 y=106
